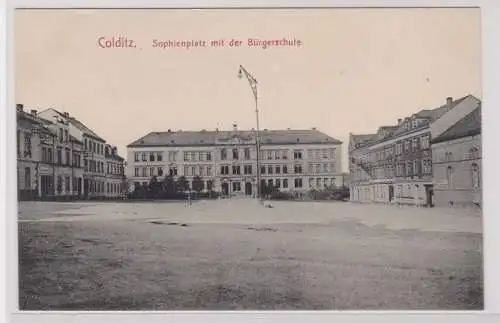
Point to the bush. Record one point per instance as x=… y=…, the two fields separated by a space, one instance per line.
x=282 y=196
x=208 y=195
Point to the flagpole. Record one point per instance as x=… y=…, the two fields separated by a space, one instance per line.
x=253 y=84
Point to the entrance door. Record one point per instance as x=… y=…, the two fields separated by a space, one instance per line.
x=429 y=195
x=79 y=186
x=248 y=188
x=86 y=184
x=225 y=189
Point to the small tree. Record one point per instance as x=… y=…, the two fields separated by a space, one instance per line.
x=198 y=184
x=181 y=184
x=154 y=187
x=168 y=185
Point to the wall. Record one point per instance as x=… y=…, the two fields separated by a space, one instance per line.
x=461 y=190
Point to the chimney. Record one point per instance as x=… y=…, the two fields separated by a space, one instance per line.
x=169 y=130
x=19 y=107
x=449 y=100
x=235 y=127
x=399 y=121
x=33 y=112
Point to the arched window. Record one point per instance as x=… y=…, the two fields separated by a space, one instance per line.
x=235 y=154
x=449 y=176
x=475 y=176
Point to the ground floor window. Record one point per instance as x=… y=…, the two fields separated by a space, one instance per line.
x=285 y=183
x=236 y=186
x=27 y=178
x=298 y=182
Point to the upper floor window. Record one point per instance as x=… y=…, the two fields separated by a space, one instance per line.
x=297 y=154
x=475 y=176
x=424 y=142
x=449 y=176
x=159 y=156
x=235 y=154
x=223 y=154
x=209 y=156
x=27 y=145
x=247 y=153
x=151 y=157
x=447 y=156
x=136 y=157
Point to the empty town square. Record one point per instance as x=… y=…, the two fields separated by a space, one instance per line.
x=236 y=254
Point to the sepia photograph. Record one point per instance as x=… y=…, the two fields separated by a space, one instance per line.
x=249 y=159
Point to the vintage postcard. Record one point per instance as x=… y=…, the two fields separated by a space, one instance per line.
x=249 y=159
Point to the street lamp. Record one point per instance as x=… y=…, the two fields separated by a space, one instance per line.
x=253 y=84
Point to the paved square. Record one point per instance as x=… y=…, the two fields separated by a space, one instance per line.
x=236 y=254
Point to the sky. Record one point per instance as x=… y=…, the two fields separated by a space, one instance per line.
x=356 y=70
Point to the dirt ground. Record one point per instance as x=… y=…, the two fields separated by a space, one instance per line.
x=238 y=255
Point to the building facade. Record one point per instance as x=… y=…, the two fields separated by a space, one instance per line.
x=291 y=160
x=49 y=159
x=395 y=164
x=98 y=182
x=457 y=163
x=59 y=157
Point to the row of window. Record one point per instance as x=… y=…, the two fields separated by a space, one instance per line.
x=316 y=154
x=203 y=170
x=413 y=144
x=69 y=159
x=414 y=168
x=98 y=167
x=472 y=153
x=402 y=147
x=404 y=169
x=476 y=180
x=236 y=154
x=93 y=146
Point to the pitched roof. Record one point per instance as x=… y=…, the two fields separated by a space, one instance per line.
x=429 y=114
x=78 y=124
x=208 y=138
x=436 y=113
x=363 y=138
x=469 y=125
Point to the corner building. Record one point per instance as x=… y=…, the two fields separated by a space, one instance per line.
x=394 y=165
x=292 y=160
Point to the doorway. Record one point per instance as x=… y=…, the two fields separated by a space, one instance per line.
x=429 y=195
x=248 y=188
x=391 y=193
x=225 y=189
